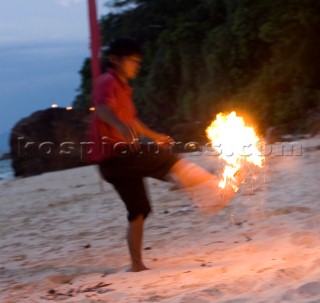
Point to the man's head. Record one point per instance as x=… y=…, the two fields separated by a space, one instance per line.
x=125 y=55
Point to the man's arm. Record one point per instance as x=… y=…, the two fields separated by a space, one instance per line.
x=145 y=131
x=107 y=115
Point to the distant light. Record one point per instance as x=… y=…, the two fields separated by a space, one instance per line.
x=54 y=105
x=92 y=108
x=69 y=108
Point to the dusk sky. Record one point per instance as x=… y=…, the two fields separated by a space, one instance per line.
x=42 y=47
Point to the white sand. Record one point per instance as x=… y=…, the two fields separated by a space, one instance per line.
x=263 y=247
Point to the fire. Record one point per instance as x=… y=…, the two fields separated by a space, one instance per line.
x=237 y=145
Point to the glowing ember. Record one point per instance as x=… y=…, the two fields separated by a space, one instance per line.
x=236 y=143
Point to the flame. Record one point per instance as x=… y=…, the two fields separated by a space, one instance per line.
x=236 y=144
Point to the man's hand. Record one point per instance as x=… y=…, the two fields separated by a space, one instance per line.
x=162 y=138
x=151 y=134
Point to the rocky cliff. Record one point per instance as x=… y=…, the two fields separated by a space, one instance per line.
x=49 y=140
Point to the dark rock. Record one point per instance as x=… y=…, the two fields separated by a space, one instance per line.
x=273 y=135
x=49 y=140
x=314 y=127
x=313 y=121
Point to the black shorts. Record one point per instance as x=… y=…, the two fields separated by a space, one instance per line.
x=126 y=175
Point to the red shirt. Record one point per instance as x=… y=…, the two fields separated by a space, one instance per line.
x=117 y=95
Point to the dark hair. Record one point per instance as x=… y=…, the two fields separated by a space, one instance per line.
x=124 y=47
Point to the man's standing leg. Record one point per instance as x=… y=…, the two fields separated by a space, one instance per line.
x=133 y=193
x=134 y=238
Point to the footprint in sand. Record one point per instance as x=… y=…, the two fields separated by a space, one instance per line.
x=204 y=296
x=61 y=279
x=286 y=275
x=240 y=300
x=310 y=289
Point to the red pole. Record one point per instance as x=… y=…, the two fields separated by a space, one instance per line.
x=95 y=40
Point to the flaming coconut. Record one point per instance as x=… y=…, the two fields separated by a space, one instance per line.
x=237 y=145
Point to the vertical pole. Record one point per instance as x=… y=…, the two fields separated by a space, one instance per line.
x=95 y=40
x=95 y=51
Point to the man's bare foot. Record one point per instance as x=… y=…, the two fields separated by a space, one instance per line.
x=137 y=268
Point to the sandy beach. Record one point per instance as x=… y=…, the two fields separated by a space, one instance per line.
x=63 y=239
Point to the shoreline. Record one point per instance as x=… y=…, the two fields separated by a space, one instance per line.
x=6 y=170
x=5 y=156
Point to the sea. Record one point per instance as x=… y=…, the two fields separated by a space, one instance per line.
x=6 y=171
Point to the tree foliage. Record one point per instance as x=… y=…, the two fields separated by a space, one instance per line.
x=204 y=56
